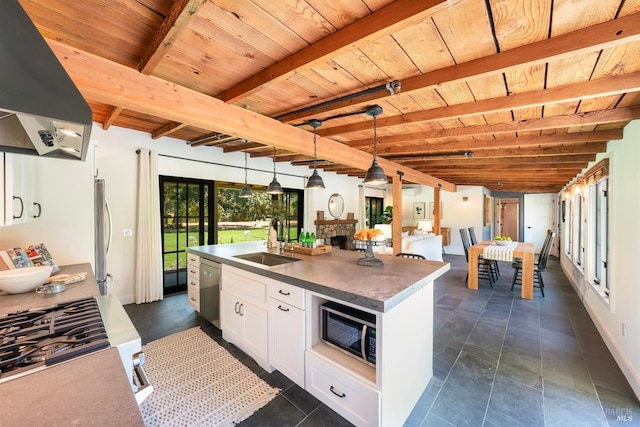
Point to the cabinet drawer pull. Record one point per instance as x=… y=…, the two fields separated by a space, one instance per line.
x=281 y=292
x=193 y=299
x=237 y=310
x=340 y=395
x=193 y=271
x=193 y=283
x=241 y=312
x=283 y=309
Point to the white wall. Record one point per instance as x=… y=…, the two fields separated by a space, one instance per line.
x=624 y=235
x=66 y=226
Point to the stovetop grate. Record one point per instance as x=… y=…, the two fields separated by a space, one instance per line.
x=40 y=337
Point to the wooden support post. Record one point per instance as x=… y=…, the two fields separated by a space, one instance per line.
x=436 y=210
x=397 y=215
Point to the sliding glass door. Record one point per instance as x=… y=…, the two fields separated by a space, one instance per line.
x=186 y=212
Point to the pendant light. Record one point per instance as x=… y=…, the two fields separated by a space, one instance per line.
x=246 y=192
x=274 y=187
x=375 y=175
x=315 y=180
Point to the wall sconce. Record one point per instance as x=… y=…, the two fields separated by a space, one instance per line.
x=465 y=199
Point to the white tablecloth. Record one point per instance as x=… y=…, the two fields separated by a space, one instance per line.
x=500 y=253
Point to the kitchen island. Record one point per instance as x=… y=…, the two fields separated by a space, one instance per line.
x=274 y=314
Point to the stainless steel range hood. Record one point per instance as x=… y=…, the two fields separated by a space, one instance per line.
x=41 y=110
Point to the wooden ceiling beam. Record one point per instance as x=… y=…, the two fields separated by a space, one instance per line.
x=177 y=20
x=101 y=80
x=391 y=151
x=616 y=85
x=591 y=118
x=372 y=27
x=597 y=37
x=242 y=147
x=590 y=148
x=112 y=117
x=167 y=129
x=435 y=161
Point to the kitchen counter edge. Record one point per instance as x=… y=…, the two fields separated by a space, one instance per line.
x=225 y=254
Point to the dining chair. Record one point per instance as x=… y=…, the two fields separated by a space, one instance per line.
x=409 y=255
x=472 y=237
x=539 y=266
x=484 y=265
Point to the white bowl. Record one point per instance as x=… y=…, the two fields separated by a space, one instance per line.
x=502 y=242
x=21 y=280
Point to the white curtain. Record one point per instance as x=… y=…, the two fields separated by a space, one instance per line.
x=148 y=257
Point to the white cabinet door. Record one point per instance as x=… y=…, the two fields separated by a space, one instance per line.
x=286 y=340
x=255 y=331
x=20 y=196
x=230 y=320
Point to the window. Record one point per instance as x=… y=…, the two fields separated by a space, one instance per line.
x=599 y=230
x=579 y=230
x=587 y=226
x=568 y=243
x=374 y=208
x=242 y=220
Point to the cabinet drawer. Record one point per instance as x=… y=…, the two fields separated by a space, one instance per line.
x=193 y=273
x=193 y=259
x=290 y=294
x=193 y=295
x=248 y=286
x=355 y=401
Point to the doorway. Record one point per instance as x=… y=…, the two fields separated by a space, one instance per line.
x=508 y=218
x=186 y=209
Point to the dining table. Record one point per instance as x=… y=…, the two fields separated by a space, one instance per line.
x=523 y=250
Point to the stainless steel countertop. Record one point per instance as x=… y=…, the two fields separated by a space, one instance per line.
x=336 y=274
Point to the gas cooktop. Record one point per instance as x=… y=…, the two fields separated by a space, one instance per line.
x=34 y=339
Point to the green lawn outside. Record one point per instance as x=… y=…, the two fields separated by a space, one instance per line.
x=182 y=240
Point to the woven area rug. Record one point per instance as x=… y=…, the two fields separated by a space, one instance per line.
x=198 y=383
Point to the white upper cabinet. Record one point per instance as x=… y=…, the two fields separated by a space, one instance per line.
x=18 y=185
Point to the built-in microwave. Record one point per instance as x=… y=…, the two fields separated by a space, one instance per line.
x=350 y=330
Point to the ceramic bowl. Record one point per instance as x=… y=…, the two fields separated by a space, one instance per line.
x=502 y=242
x=21 y=280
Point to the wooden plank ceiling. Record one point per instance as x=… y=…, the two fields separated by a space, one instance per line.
x=512 y=95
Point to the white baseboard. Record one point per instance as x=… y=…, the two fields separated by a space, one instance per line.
x=627 y=369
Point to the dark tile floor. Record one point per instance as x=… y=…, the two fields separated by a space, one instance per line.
x=498 y=360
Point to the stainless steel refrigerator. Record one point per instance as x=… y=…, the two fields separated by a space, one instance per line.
x=102 y=239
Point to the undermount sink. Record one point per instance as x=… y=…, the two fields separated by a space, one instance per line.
x=266 y=258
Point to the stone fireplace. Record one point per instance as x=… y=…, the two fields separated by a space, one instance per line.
x=326 y=229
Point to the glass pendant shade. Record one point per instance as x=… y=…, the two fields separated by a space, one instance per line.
x=375 y=174
x=315 y=181
x=246 y=192
x=274 y=187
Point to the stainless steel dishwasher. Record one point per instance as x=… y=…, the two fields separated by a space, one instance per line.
x=210 y=291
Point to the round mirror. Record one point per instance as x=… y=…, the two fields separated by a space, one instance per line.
x=336 y=205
